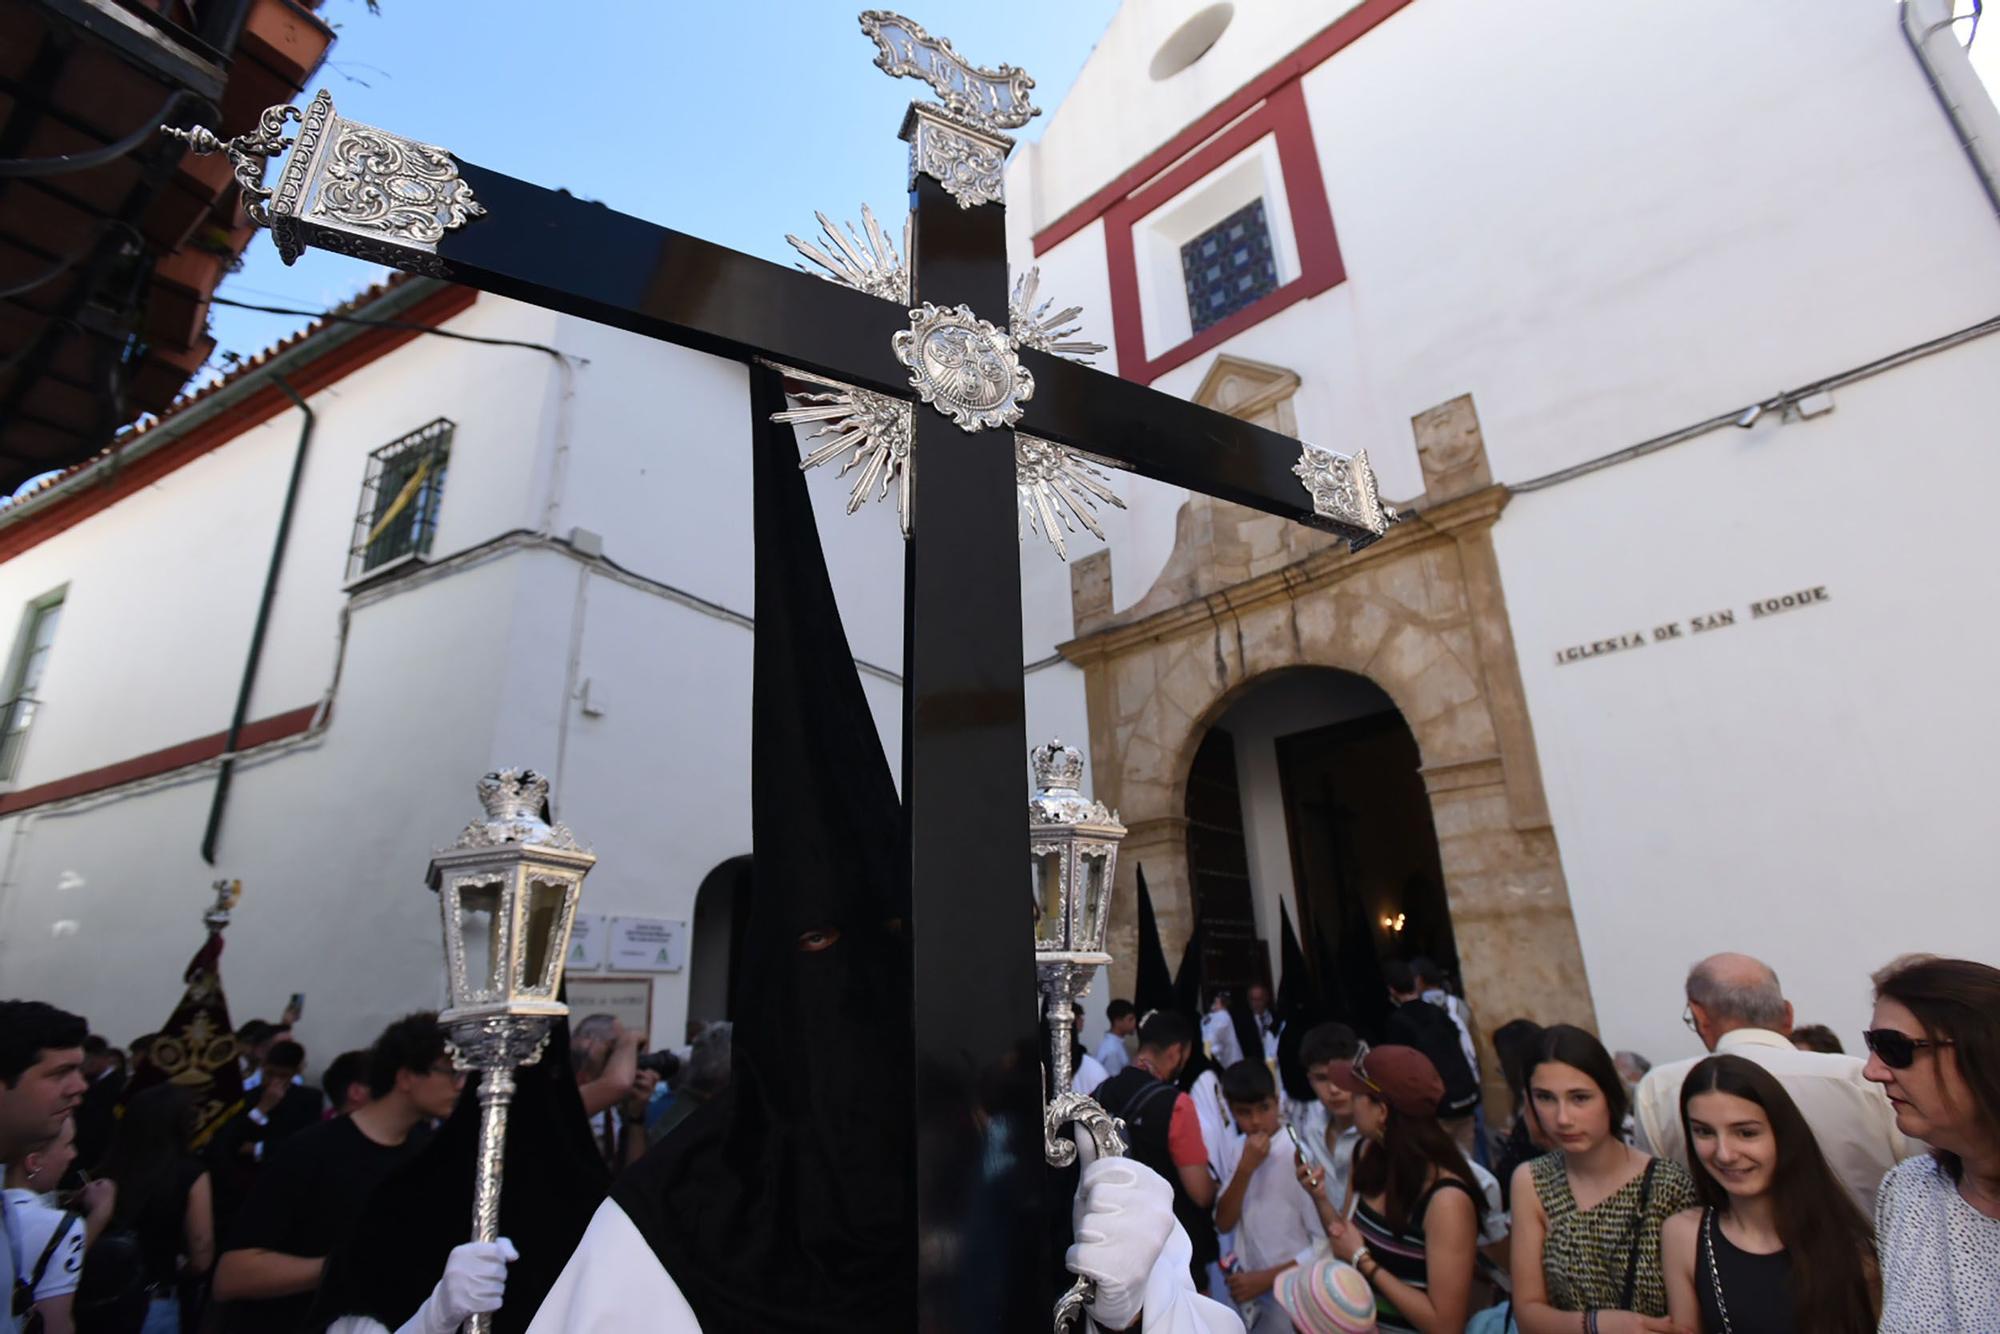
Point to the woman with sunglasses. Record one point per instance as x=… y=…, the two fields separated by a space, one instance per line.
x=1587 y=1216
x=1935 y=1049
x=1778 y=1245
x=1415 y=1205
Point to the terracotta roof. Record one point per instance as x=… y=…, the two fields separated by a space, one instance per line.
x=243 y=369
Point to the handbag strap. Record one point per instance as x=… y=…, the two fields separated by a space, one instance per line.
x=1638 y=1230
x=69 y=1219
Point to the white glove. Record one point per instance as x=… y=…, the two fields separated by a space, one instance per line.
x=1123 y=1217
x=475 y=1280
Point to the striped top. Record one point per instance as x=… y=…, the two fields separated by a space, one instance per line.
x=1401 y=1253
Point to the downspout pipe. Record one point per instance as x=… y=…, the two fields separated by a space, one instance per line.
x=256 y=653
x=1958 y=91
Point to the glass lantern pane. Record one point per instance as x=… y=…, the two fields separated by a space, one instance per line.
x=479 y=928
x=1095 y=893
x=542 y=921
x=1049 y=925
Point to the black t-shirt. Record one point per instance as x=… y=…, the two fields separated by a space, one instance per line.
x=1429 y=1029
x=162 y=1224
x=307 y=1198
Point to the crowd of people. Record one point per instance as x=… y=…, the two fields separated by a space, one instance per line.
x=1775 y=1184
x=132 y=1208
x=1771 y=1185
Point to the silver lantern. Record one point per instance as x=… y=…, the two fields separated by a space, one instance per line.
x=1073 y=854
x=507 y=891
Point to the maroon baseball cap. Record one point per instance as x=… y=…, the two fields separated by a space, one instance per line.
x=1403 y=1077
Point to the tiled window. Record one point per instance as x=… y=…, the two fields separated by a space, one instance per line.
x=400 y=498
x=1229 y=266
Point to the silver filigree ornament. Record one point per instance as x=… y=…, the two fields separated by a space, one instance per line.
x=1033 y=326
x=1059 y=487
x=865 y=260
x=347 y=187
x=874 y=427
x=994 y=99
x=1344 y=492
x=964 y=367
x=969 y=162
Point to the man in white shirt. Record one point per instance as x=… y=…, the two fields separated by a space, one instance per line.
x=1112 y=1053
x=1735 y=1005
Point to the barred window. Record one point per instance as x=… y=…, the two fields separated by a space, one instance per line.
x=400 y=497
x=1229 y=266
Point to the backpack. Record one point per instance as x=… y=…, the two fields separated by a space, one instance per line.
x=1431 y=1031
x=113 y=1295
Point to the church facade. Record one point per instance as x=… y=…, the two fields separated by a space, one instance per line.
x=1672 y=334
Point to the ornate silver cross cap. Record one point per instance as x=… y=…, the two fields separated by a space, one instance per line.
x=346 y=187
x=964 y=367
x=988 y=99
x=969 y=162
x=1343 y=493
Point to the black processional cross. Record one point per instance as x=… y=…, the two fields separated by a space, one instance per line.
x=1006 y=432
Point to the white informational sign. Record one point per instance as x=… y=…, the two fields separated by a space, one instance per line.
x=648 y=945
x=586 y=942
x=630 y=999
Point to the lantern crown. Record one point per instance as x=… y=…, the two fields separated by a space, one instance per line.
x=514 y=800
x=1058 y=799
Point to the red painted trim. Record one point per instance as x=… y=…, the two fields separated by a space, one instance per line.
x=1316 y=51
x=259 y=733
x=65 y=512
x=1283 y=117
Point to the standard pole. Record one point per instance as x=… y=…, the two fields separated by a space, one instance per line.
x=496 y=1091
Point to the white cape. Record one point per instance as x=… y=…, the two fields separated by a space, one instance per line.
x=614 y=1285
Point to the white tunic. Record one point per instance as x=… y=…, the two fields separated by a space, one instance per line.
x=614 y=1285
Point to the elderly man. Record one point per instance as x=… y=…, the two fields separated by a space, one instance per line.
x=1734 y=1004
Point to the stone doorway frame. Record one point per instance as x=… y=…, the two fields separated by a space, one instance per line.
x=1422 y=615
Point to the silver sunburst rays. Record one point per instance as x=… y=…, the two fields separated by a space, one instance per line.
x=874 y=426
x=1032 y=325
x=864 y=260
x=961 y=365
x=1055 y=482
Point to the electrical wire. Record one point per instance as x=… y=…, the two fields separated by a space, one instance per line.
x=431 y=329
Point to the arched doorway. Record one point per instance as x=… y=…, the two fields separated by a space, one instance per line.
x=721 y=911
x=1307 y=790
x=1421 y=615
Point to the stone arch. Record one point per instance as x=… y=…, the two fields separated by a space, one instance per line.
x=1421 y=615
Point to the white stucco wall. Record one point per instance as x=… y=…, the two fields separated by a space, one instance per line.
x=1605 y=229
x=461 y=669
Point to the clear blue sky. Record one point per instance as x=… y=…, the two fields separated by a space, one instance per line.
x=730 y=121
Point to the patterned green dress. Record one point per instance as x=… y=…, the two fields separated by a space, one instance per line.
x=1587 y=1252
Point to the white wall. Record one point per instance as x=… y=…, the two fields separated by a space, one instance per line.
x=1810 y=787
x=1606 y=228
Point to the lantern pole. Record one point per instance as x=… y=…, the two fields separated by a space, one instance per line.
x=1068 y=830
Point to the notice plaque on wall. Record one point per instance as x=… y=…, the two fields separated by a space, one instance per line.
x=586 y=942
x=629 y=999
x=647 y=945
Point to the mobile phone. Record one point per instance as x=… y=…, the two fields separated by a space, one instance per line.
x=296 y=1006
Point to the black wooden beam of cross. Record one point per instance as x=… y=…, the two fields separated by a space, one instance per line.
x=983 y=1262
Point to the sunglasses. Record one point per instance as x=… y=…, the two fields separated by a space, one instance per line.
x=1899 y=1050
x=1360 y=1066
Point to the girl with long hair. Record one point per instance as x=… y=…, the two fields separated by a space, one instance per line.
x=164 y=1198
x=1934 y=1047
x=1778 y=1245
x=1413 y=1232
x=1587 y=1216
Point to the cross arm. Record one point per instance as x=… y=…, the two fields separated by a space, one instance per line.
x=551 y=249
x=1174 y=441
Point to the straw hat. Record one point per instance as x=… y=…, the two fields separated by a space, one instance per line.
x=1327 y=1297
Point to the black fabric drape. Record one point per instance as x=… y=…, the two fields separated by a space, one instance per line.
x=552 y=1181
x=1154 y=987
x=1299 y=1008
x=787 y=1204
